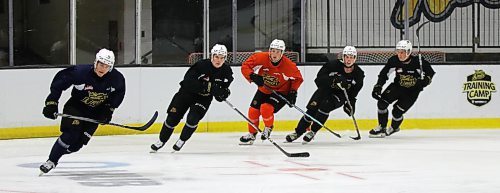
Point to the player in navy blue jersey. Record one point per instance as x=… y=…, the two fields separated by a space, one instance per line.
x=205 y=80
x=332 y=79
x=98 y=90
x=411 y=76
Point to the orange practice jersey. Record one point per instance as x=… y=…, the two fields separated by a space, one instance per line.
x=281 y=78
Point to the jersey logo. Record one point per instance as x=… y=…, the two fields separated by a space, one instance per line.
x=407 y=81
x=173 y=110
x=75 y=122
x=271 y=80
x=88 y=87
x=479 y=88
x=94 y=99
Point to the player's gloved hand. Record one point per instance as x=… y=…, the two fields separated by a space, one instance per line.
x=107 y=114
x=222 y=96
x=377 y=91
x=257 y=79
x=347 y=108
x=206 y=88
x=424 y=82
x=291 y=97
x=339 y=82
x=50 y=109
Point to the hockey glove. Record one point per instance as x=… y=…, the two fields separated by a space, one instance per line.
x=257 y=79
x=347 y=108
x=222 y=96
x=377 y=92
x=292 y=98
x=50 y=109
x=424 y=82
x=339 y=82
x=107 y=114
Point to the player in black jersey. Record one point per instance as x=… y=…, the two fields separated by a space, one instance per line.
x=205 y=80
x=410 y=79
x=331 y=79
x=98 y=90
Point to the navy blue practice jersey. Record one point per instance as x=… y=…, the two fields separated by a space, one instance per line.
x=89 y=89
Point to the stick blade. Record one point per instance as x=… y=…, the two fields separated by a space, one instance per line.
x=302 y=154
x=146 y=126
x=356 y=138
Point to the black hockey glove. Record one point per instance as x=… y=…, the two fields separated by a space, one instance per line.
x=339 y=82
x=222 y=96
x=107 y=114
x=257 y=79
x=50 y=109
x=292 y=98
x=424 y=82
x=347 y=108
x=377 y=92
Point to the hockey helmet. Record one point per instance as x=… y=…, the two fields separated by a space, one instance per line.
x=219 y=50
x=105 y=56
x=404 y=45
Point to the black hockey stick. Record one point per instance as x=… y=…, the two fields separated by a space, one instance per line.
x=139 y=128
x=303 y=154
x=302 y=111
x=418 y=45
x=352 y=115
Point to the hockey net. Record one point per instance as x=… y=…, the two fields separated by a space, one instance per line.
x=240 y=57
x=381 y=57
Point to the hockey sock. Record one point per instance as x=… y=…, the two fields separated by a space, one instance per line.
x=396 y=122
x=321 y=117
x=302 y=125
x=267 y=111
x=187 y=131
x=166 y=132
x=253 y=115
x=382 y=117
x=58 y=150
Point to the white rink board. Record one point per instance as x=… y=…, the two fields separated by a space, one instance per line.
x=151 y=89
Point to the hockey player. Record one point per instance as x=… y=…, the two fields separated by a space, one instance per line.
x=331 y=79
x=410 y=79
x=202 y=82
x=277 y=72
x=98 y=90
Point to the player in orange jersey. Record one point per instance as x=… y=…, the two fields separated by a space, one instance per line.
x=269 y=70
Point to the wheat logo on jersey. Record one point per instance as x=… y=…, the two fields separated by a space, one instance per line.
x=271 y=80
x=479 y=88
x=407 y=81
x=95 y=99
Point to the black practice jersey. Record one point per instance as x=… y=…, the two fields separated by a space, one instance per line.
x=89 y=89
x=406 y=74
x=354 y=79
x=196 y=78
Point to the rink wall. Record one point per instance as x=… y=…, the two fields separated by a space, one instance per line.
x=442 y=105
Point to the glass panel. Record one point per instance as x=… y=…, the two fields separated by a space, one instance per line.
x=177 y=30
x=221 y=23
x=41 y=32
x=4 y=33
x=105 y=24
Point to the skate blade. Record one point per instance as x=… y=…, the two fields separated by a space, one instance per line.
x=245 y=143
x=305 y=143
x=376 y=136
x=153 y=151
x=41 y=174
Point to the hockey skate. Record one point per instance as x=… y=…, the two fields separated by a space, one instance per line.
x=178 y=145
x=156 y=146
x=46 y=167
x=291 y=137
x=377 y=132
x=266 y=133
x=308 y=137
x=391 y=131
x=247 y=139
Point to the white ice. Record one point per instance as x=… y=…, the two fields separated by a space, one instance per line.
x=411 y=161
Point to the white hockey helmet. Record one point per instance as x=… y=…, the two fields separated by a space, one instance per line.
x=404 y=45
x=277 y=44
x=106 y=57
x=219 y=49
x=350 y=50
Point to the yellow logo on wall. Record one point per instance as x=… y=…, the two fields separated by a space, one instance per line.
x=479 y=88
x=433 y=10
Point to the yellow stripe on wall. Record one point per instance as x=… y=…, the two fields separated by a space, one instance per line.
x=335 y=125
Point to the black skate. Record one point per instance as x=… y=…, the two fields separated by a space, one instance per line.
x=178 y=145
x=266 y=133
x=156 y=146
x=46 y=167
x=247 y=139
x=377 y=132
x=391 y=131
x=291 y=137
x=308 y=137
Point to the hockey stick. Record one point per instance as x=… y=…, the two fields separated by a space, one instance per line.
x=352 y=115
x=418 y=45
x=139 y=128
x=302 y=111
x=303 y=154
